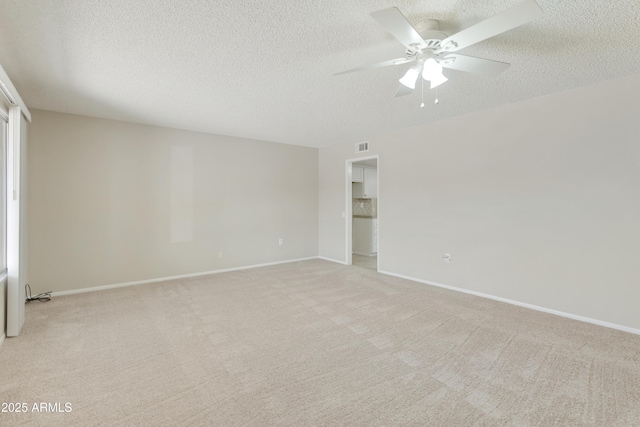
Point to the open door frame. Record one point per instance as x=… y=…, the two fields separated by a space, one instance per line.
x=348 y=207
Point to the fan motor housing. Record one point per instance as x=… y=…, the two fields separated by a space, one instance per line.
x=430 y=33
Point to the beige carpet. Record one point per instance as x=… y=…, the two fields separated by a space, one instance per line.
x=313 y=343
x=368 y=262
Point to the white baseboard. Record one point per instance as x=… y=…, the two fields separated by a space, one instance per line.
x=332 y=260
x=2 y=339
x=182 y=276
x=520 y=304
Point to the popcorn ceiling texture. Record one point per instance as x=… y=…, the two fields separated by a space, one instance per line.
x=264 y=69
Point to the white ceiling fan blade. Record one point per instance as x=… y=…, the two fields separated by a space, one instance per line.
x=397 y=25
x=396 y=61
x=403 y=90
x=518 y=15
x=471 y=64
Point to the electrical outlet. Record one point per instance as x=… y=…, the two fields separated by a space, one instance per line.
x=220 y=254
x=281 y=241
x=446 y=257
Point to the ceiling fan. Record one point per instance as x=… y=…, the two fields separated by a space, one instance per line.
x=432 y=50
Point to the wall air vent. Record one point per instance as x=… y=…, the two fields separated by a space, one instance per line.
x=362 y=147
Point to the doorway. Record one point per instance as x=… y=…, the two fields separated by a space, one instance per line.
x=362 y=206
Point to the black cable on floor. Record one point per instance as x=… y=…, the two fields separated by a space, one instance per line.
x=42 y=297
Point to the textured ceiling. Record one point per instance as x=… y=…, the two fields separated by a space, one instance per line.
x=263 y=69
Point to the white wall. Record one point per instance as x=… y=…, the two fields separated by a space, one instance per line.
x=113 y=202
x=537 y=202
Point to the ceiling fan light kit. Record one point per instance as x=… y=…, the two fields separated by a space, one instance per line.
x=433 y=73
x=410 y=78
x=432 y=50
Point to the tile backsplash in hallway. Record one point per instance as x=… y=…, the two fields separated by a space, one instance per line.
x=365 y=207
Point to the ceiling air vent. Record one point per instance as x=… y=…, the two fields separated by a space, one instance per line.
x=362 y=147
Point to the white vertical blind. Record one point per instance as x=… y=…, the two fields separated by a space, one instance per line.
x=3 y=194
x=15 y=223
x=15 y=197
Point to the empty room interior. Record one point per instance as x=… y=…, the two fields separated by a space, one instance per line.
x=371 y=213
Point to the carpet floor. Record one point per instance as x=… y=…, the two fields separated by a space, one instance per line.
x=312 y=343
x=368 y=262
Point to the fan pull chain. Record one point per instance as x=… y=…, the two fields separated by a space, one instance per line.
x=437 y=101
x=422 y=105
